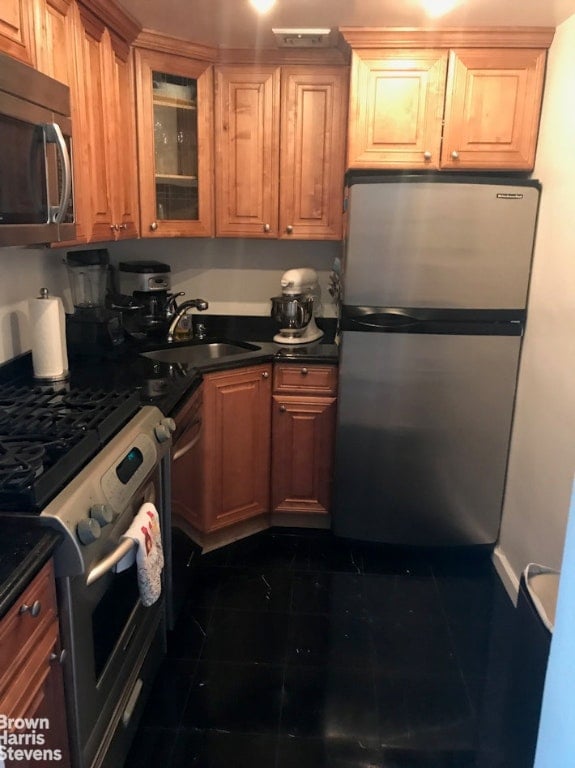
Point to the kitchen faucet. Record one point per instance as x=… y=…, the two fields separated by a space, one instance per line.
x=181 y=310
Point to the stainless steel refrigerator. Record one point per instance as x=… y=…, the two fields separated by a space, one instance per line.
x=435 y=277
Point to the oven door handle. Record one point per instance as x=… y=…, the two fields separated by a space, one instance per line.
x=182 y=450
x=109 y=562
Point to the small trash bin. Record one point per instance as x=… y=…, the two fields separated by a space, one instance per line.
x=535 y=618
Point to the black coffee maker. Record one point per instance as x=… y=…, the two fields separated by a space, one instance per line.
x=93 y=329
x=146 y=299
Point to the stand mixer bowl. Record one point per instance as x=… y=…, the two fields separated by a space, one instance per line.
x=292 y=312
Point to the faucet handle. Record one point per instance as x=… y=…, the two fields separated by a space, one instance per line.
x=172 y=306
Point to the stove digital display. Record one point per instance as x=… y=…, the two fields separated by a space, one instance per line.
x=128 y=466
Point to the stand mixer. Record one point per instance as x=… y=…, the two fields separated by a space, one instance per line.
x=293 y=310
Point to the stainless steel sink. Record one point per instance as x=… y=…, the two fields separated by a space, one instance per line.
x=200 y=353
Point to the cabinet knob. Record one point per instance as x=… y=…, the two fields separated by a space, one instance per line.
x=154 y=226
x=59 y=657
x=304 y=371
x=283 y=409
x=267 y=227
x=289 y=229
x=427 y=155
x=33 y=610
x=265 y=375
x=455 y=154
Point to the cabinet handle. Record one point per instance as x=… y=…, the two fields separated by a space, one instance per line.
x=265 y=375
x=455 y=154
x=289 y=229
x=154 y=226
x=304 y=371
x=427 y=155
x=59 y=657
x=114 y=227
x=33 y=610
x=267 y=227
x=283 y=409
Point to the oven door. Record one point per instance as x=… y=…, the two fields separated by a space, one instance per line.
x=115 y=645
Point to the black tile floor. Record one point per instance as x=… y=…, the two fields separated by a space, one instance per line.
x=297 y=649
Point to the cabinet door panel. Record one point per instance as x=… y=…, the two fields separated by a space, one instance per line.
x=175 y=145
x=492 y=108
x=247 y=145
x=312 y=152
x=237 y=445
x=396 y=110
x=303 y=440
x=15 y=29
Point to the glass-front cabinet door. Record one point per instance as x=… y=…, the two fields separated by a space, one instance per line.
x=174 y=145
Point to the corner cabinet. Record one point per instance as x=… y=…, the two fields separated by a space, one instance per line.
x=280 y=145
x=174 y=119
x=303 y=437
x=471 y=101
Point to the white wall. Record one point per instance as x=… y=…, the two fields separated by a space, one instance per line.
x=542 y=458
x=234 y=276
x=23 y=271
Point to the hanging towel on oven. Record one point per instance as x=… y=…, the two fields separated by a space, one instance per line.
x=145 y=531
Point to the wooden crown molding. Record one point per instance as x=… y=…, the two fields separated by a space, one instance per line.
x=455 y=37
x=114 y=17
x=155 y=41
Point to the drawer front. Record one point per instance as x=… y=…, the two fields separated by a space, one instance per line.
x=308 y=379
x=20 y=630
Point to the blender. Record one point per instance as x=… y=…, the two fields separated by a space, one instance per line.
x=92 y=329
x=293 y=310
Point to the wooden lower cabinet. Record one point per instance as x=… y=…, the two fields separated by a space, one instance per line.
x=303 y=437
x=31 y=682
x=224 y=478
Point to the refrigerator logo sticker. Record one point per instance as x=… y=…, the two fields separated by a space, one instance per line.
x=510 y=196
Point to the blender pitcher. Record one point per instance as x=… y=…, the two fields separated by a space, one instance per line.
x=88 y=275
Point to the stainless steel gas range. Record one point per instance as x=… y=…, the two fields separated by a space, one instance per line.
x=84 y=462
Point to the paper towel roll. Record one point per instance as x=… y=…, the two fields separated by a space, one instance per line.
x=48 y=321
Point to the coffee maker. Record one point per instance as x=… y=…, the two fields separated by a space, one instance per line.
x=294 y=309
x=93 y=329
x=146 y=301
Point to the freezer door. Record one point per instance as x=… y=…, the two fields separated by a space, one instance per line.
x=437 y=244
x=423 y=433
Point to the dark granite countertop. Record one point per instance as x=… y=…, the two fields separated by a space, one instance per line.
x=24 y=548
x=166 y=384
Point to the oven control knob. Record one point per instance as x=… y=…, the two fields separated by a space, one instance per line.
x=88 y=530
x=102 y=513
x=164 y=429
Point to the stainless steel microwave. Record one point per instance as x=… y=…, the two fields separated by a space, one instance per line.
x=36 y=200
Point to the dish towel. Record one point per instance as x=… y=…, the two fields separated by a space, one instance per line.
x=145 y=531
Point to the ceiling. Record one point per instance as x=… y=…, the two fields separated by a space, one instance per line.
x=234 y=24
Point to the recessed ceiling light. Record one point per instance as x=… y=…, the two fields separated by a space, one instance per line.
x=435 y=8
x=262 y=6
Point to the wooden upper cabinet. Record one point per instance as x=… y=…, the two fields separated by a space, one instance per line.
x=446 y=99
x=396 y=108
x=247 y=151
x=175 y=144
x=492 y=108
x=16 y=29
x=280 y=148
x=314 y=106
x=107 y=96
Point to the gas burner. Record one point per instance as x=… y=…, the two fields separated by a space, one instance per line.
x=20 y=463
x=66 y=426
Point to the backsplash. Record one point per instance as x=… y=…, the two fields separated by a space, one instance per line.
x=236 y=277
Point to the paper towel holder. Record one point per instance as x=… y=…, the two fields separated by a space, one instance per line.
x=64 y=374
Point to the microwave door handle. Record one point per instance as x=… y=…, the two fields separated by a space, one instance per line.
x=54 y=136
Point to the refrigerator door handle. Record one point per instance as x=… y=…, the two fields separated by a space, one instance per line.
x=389 y=318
